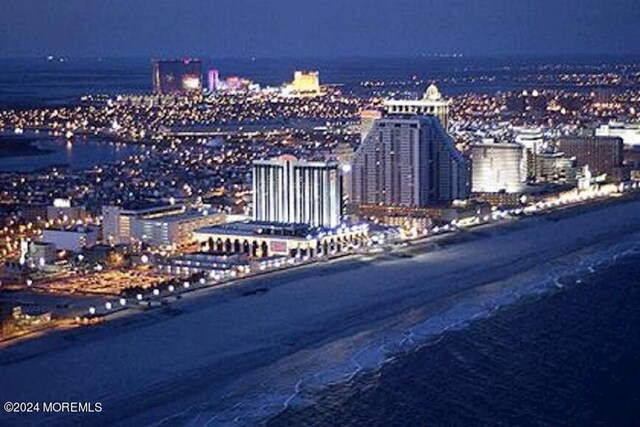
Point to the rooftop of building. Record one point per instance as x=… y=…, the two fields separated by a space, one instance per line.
x=408 y=118
x=72 y=228
x=144 y=205
x=292 y=159
x=264 y=228
x=431 y=96
x=498 y=144
x=185 y=216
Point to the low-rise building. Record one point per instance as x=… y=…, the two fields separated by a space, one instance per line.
x=211 y=264
x=62 y=209
x=555 y=168
x=71 y=239
x=174 y=230
x=267 y=239
x=41 y=253
x=153 y=224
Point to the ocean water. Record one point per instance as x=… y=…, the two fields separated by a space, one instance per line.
x=28 y=83
x=568 y=355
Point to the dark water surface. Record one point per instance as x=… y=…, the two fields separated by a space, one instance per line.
x=27 y=154
x=570 y=357
x=26 y=83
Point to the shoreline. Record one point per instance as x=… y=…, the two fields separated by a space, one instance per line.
x=299 y=312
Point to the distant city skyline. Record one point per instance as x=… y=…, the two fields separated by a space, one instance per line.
x=287 y=28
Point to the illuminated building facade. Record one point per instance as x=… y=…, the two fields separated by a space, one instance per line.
x=73 y=239
x=288 y=190
x=305 y=83
x=555 y=168
x=270 y=239
x=498 y=167
x=174 y=230
x=157 y=225
x=409 y=161
x=177 y=77
x=61 y=209
x=367 y=120
x=213 y=81
x=431 y=103
x=603 y=154
x=629 y=132
x=533 y=141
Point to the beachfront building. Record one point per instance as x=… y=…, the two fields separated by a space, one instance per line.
x=267 y=239
x=293 y=191
x=603 y=154
x=498 y=167
x=532 y=139
x=431 y=103
x=555 y=168
x=629 y=132
x=217 y=265
x=409 y=160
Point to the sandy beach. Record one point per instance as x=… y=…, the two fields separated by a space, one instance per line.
x=232 y=356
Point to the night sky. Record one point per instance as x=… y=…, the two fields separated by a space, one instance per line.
x=294 y=28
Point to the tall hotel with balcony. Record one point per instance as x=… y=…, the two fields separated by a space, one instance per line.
x=288 y=190
x=409 y=161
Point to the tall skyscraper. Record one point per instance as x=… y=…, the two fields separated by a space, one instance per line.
x=409 y=161
x=289 y=190
x=177 y=77
x=431 y=103
x=213 y=80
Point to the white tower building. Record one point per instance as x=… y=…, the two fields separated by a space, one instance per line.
x=288 y=190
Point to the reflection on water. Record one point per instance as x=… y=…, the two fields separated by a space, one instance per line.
x=79 y=154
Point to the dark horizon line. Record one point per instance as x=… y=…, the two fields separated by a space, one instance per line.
x=434 y=56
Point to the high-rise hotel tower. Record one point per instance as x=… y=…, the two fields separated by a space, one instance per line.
x=409 y=160
x=431 y=103
x=288 y=190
